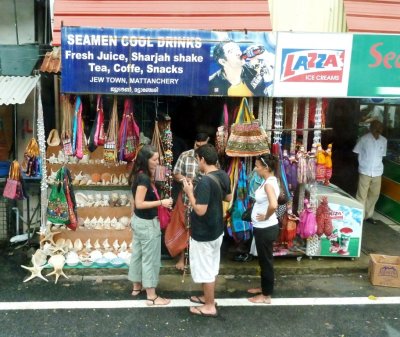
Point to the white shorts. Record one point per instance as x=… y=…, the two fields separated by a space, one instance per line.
x=204 y=260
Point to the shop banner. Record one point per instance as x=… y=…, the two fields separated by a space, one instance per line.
x=166 y=62
x=312 y=65
x=375 y=66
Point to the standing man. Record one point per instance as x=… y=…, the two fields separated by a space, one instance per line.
x=187 y=167
x=207 y=227
x=235 y=78
x=371 y=148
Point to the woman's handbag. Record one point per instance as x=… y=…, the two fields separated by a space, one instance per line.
x=176 y=234
x=110 y=152
x=246 y=216
x=31 y=159
x=57 y=208
x=247 y=137
x=164 y=214
x=14 y=189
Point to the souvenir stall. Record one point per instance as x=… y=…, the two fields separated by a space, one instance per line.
x=89 y=211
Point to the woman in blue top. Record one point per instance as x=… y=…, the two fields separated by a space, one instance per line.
x=265 y=225
x=145 y=262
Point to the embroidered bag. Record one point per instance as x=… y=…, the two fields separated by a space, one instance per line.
x=57 y=208
x=110 y=153
x=247 y=137
x=128 y=134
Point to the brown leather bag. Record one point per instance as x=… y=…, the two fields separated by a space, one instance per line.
x=176 y=234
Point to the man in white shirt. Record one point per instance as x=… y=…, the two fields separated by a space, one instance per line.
x=371 y=148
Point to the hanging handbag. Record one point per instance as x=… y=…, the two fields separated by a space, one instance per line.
x=240 y=230
x=110 y=152
x=99 y=137
x=80 y=141
x=70 y=196
x=14 y=188
x=128 y=134
x=163 y=213
x=31 y=159
x=57 y=208
x=66 y=131
x=247 y=137
x=221 y=137
x=161 y=169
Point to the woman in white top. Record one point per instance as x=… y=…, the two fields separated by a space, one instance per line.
x=265 y=225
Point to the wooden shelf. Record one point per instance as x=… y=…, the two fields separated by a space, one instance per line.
x=94 y=234
x=90 y=212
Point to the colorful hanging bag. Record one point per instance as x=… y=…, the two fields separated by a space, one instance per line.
x=247 y=138
x=128 y=134
x=70 y=196
x=14 y=189
x=31 y=162
x=110 y=152
x=57 y=207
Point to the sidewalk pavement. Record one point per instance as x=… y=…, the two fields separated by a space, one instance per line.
x=381 y=238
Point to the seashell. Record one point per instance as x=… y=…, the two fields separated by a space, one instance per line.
x=93 y=222
x=85 y=159
x=72 y=258
x=86 y=222
x=109 y=256
x=123 y=246
x=116 y=245
x=69 y=245
x=53 y=159
x=106 y=178
x=100 y=220
x=88 y=245
x=98 y=197
x=95 y=255
x=98 y=226
x=47 y=248
x=79 y=176
x=78 y=245
x=96 y=177
x=114 y=221
x=106 y=225
x=58 y=262
x=96 y=245
x=84 y=180
x=106 y=245
x=39 y=258
x=81 y=199
x=125 y=256
x=80 y=222
x=114 y=179
x=60 y=243
x=122 y=179
x=61 y=156
x=124 y=220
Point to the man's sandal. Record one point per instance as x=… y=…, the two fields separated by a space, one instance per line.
x=152 y=302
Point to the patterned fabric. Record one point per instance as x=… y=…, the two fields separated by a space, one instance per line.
x=187 y=166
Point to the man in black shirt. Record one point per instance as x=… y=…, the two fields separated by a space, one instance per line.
x=207 y=227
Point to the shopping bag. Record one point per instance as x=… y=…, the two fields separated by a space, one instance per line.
x=110 y=152
x=247 y=137
x=14 y=189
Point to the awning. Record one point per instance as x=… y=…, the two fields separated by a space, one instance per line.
x=251 y=15
x=15 y=89
x=377 y=16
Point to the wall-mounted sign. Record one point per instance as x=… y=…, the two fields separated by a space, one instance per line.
x=167 y=62
x=312 y=65
x=375 y=66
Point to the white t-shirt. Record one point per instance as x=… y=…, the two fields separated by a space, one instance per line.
x=370 y=153
x=261 y=204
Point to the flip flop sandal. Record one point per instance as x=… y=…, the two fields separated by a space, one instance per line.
x=136 y=292
x=152 y=302
x=198 y=312
x=196 y=299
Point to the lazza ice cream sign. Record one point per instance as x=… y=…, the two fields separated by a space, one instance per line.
x=312 y=65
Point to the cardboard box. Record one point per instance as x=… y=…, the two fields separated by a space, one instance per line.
x=384 y=270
